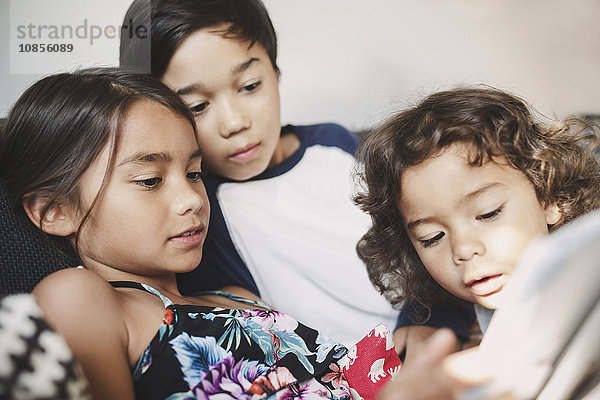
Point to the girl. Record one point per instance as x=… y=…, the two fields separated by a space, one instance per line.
x=459 y=185
x=110 y=161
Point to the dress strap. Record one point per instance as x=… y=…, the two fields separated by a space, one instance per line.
x=167 y=302
x=236 y=298
x=141 y=286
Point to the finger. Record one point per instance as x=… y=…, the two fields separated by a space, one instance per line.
x=425 y=379
x=467 y=366
x=442 y=343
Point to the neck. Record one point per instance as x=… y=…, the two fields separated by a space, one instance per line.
x=162 y=283
x=286 y=146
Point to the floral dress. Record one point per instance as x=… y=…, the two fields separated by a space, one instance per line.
x=202 y=352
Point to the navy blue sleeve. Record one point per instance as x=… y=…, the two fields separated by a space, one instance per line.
x=331 y=134
x=221 y=264
x=452 y=316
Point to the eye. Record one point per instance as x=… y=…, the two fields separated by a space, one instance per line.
x=195 y=176
x=199 y=108
x=150 y=183
x=491 y=215
x=251 y=87
x=429 y=242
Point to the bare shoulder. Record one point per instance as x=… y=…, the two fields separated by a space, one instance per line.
x=72 y=285
x=71 y=277
x=74 y=300
x=85 y=309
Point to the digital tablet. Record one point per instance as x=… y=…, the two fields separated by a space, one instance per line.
x=544 y=341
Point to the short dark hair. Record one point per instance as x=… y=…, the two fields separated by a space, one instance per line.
x=60 y=124
x=170 y=22
x=558 y=160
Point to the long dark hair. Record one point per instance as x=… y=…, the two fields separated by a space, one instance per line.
x=167 y=23
x=60 y=124
x=558 y=161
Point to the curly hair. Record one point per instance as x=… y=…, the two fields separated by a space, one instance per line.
x=557 y=159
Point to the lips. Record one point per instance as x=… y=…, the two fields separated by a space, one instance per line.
x=486 y=285
x=246 y=153
x=191 y=237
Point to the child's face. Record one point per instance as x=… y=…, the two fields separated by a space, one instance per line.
x=233 y=91
x=469 y=224
x=153 y=216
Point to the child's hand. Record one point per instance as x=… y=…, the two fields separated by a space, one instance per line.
x=471 y=370
x=413 y=339
x=427 y=375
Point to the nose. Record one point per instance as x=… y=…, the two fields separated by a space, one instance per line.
x=190 y=198
x=466 y=245
x=232 y=117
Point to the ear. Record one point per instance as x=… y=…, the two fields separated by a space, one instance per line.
x=553 y=214
x=59 y=220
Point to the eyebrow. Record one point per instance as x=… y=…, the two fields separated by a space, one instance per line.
x=142 y=158
x=413 y=224
x=237 y=69
x=196 y=154
x=481 y=190
x=244 y=66
x=466 y=197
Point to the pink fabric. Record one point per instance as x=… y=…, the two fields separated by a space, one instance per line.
x=371 y=363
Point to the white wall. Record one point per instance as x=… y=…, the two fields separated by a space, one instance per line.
x=353 y=62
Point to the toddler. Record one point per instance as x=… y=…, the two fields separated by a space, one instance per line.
x=459 y=185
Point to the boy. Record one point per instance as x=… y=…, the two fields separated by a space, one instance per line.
x=282 y=221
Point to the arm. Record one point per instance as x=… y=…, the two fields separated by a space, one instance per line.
x=83 y=308
x=432 y=374
x=410 y=336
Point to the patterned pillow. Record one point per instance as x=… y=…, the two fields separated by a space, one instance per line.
x=35 y=361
